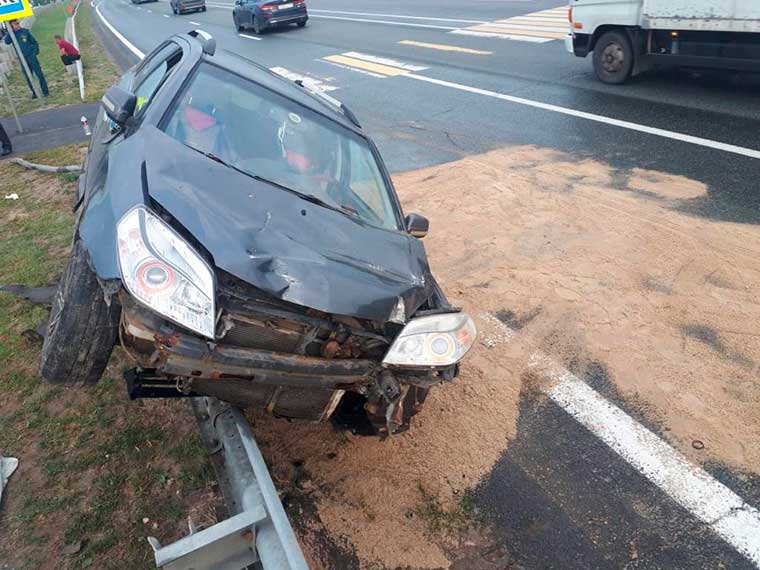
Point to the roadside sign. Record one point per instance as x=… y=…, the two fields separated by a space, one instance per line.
x=14 y=9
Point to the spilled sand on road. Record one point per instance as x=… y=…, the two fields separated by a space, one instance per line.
x=596 y=267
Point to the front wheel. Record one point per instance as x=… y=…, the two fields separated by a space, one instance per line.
x=82 y=329
x=613 y=58
x=203 y=9
x=301 y=23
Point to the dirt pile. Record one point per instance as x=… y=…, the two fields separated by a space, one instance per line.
x=597 y=267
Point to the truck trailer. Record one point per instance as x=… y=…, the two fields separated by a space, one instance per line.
x=627 y=37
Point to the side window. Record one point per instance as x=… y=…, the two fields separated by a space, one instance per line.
x=149 y=79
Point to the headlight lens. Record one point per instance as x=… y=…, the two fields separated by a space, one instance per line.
x=437 y=340
x=162 y=271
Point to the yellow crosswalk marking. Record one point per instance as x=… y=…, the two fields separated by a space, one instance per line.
x=366 y=65
x=445 y=47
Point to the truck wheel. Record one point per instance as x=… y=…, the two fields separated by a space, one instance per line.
x=82 y=328
x=613 y=58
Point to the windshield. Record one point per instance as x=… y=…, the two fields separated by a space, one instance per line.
x=254 y=130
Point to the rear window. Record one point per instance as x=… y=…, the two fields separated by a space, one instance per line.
x=265 y=135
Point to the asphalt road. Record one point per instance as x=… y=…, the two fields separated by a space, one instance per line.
x=448 y=93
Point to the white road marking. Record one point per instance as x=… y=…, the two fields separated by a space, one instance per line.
x=699 y=141
x=383 y=61
x=130 y=46
x=311 y=83
x=194 y=23
x=691 y=487
x=400 y=16
x=706 y=498
x=383 y=22
x=149 y=10
x=348 y=67
x=444 y=47
x=502 y=36
x=249 y=37
x=166 y=15
x=518 y=26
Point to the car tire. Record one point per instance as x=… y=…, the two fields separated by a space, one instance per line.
x=257 y=29
x=613 y=58
x=82 y=328
x=203 y=9
x=301 y=23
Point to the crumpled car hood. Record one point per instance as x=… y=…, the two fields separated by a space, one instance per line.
x=276 y=241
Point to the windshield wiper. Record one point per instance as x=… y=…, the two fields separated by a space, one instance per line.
x=308 y=197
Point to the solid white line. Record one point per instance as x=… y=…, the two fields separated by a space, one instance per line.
x=130 y=46
x=400 y=16
x=534 y=39
x=409 y=24
x=743 y=151
x=695 y=490
x=249 y=37
x=383 y=61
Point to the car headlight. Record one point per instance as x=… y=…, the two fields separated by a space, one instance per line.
x=436 y=340
x=164 y=272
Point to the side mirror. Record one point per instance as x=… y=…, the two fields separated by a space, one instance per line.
x=417 y=225
x=119 y=104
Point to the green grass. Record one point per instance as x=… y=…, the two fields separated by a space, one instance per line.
x=450 y=519
x=99 y=71
x=95 y=463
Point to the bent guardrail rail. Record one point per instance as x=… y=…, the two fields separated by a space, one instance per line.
x=258 y=529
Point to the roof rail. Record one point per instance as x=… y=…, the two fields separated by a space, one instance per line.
x=332 y=101
x=206 y=39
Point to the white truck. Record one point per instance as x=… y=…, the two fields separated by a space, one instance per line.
x=630 y=36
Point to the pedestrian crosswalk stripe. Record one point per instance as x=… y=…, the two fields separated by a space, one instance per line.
x=382 y=66
x=311 y=83
x=502 y=36
x=543 y=26
x=517 y=32
x=384 y=70
x=445 y=47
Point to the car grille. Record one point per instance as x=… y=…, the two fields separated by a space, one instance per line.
x=258 y=334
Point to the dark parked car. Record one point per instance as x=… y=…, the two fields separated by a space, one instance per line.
x=240 y=237
x=260 y=15
x=184 y=6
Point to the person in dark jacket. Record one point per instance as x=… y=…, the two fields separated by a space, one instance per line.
x=30 y=49
x=5 y=141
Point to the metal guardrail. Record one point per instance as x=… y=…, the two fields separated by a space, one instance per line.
x=258 y=530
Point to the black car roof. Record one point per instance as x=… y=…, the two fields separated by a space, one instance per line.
x=253 y=71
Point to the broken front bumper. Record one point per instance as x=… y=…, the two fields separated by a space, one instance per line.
x=286 y=385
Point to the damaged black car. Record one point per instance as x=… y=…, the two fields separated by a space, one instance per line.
x=240 y=237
